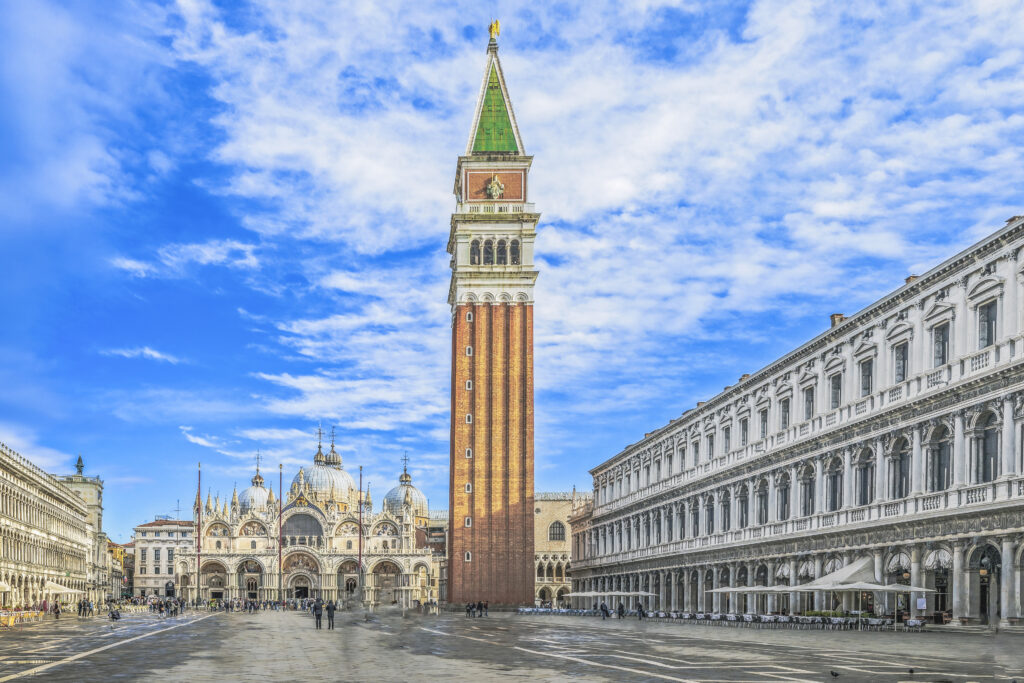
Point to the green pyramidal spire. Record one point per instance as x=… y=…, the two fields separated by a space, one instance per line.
x=494 y=127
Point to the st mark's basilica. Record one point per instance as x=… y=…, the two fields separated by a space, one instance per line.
x=260 y=547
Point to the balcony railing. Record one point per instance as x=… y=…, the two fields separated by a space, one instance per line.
x=495 y=207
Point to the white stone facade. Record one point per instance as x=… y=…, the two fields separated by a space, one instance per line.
x=158 y=545
x=253 y=549
x=895 y=434
x=44 y=537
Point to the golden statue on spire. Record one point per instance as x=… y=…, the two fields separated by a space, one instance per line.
x=495 y=29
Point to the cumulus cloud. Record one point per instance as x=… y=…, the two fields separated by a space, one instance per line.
x=702 y=176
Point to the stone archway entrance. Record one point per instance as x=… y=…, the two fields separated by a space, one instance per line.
x=300 y=587
x=985 y=579
x=386 y=582
x=169 y=589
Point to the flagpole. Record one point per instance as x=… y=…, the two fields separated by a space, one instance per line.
x=199 y=529
x=280 y=552
x=362 y=596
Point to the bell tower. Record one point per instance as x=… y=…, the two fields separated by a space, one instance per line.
x=491 y=297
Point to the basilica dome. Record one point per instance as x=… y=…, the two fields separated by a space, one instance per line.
x=396 y=497
x=325 y=477
x=255 y=497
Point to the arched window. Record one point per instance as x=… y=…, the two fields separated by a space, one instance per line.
x=988 y=463
x=899 y=471
x=834 y=485
x=782 y=495
x=726 y=510
x=709 y=516
x=513 y=253
x=940 y=461
x=488 y=253
x=502 y=253
x=252 y=545
x=865 y=473
x=218 y=545
x=540 y=572
x=469 y=556
x=556 y=532
x=743 y=510
x=474 y=253
x=761 y=496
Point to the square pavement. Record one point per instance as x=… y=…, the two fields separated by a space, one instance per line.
x=284 y=646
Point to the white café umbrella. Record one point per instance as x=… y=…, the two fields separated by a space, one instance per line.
x=52 y=587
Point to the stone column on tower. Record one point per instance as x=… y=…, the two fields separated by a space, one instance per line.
x=491 y=298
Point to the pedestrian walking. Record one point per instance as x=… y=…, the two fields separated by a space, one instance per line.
x=486 y=605
x=480 y=608
x=318 y=611
x=330 y=615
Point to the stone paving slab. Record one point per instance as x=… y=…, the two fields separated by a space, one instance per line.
x=272 y=646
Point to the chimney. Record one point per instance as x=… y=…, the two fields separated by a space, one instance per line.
x=910 y=278
x=836 y=318
x=700 y=403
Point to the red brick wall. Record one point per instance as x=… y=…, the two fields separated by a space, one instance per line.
x=501 y=469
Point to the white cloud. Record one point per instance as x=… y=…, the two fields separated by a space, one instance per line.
x=134 y=267
x=26 y=442
x=690 y=185
x=143 y=352
x=205 y=440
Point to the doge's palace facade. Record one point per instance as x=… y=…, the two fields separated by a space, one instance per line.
x=895 y=435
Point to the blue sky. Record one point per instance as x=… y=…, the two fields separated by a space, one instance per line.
x=225 y=223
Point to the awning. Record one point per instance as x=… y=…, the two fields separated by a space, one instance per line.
x=859 y=575
x=51 y=587
x=858 y=571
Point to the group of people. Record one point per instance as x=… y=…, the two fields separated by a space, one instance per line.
x=620 y=611
x=476 y=609
x=318 y=607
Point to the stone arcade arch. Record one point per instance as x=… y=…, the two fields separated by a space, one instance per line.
x=387 y=577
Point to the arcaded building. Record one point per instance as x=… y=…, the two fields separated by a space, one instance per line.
x=45 y=545
x=892 y=440
x=491 y=298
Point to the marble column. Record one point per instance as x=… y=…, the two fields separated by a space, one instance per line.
x=751 y=598
x=958 y=585
x=773 y=512
x=959 y=451
x=1007 y=584
x=880 y=466
x=771 y=582
x=848 y=478
x=916 y=468
x=819 y=596
x=716 y=582
x=733 y=597
x=674 y=600
x=819 y=485
x=794 y=596
x=1009 y=444
x=915 y=578
x=877 y=556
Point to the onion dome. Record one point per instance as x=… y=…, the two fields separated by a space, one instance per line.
x=321 y=478
x=406 y=493
x=255 y=497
